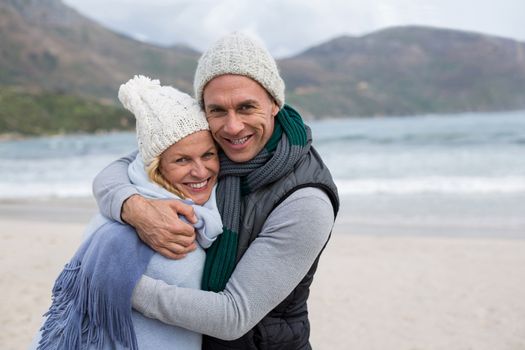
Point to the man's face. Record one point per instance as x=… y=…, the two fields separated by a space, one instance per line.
x=241 y=115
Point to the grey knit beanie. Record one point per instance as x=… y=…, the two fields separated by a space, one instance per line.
x=239 y=54
x=164 y=115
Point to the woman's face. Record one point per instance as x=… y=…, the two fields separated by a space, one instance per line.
x=191 y=166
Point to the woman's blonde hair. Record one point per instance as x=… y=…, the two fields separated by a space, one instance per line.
x=154 y=174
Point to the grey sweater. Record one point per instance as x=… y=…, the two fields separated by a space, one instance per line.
x=271 y=268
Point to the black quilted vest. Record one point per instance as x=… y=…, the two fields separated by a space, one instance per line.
x=286 y=326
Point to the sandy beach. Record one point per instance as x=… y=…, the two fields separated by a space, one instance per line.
x=370 y=292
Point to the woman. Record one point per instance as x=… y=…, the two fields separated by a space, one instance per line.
x=91 y=298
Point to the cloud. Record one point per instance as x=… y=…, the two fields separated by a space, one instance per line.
x=289 y=26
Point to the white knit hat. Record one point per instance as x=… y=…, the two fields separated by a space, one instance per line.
x=239 y=54
x=164 y=115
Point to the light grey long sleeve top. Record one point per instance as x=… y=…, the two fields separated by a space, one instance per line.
x=276 y=261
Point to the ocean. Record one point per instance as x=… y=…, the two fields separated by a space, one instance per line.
x=446 y=174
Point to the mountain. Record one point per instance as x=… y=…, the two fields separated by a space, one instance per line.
x=47 y=45
x=52 y=56
x=408 y=70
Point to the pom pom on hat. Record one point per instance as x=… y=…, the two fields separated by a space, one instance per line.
x=239 y=54
x=164 y=114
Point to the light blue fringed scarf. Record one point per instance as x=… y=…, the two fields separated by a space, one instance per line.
x=92 y=295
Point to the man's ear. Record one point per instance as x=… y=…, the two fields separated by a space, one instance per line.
x=275 y=108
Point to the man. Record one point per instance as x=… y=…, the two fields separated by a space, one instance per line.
x=277 y=200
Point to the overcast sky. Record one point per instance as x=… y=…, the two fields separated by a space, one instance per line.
x=289 y=26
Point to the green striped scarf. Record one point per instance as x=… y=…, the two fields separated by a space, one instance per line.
x=288 y=143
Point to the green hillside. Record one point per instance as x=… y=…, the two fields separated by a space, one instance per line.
x=44 y=113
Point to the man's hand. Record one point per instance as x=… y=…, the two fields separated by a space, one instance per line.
x=158 y=225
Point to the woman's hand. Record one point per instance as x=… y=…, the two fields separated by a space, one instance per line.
x=158 y=224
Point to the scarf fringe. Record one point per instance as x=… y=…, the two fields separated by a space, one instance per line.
x=81 y=316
